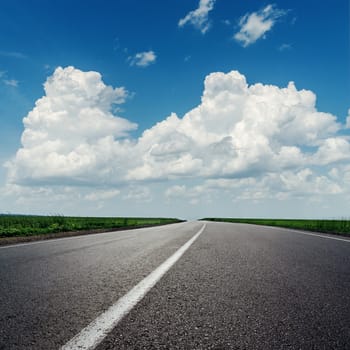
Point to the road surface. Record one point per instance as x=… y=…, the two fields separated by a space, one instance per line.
x=236 y=287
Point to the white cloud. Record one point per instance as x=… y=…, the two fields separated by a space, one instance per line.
x=236 y=131
x=191 y=194
x=11 y=82
x=30 y=196
x=348 y=120
x=281 y=186
x=253 y=26
x=244 y=141
x=199 y=17
x=139 y=194
x=102 y=195
x=332 y=150
x=305 y=182
x=62 y=200
x=143 y=59
x=71 y=134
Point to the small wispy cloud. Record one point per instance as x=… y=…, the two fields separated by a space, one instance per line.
x=143 y=59
x=6 y=81
x=253 y=26
x=199 y=17
x=285 y=47
x=11 y=82
x=12 y=54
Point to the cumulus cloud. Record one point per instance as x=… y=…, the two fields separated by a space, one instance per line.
x=332 y=150
x=255 y=25
x=71 y=132
x=236 y=131
x=255 y=140
x=199 y=17
x=143 y=59
x=284 y=185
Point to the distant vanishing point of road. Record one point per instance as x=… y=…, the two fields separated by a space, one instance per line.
x=192 y=285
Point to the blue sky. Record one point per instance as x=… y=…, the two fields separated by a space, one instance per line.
x=161 y=52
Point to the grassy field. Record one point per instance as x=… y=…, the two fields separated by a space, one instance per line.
x=328 y=226
x=23 y=225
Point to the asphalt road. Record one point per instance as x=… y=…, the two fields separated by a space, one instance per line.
x=237 y=287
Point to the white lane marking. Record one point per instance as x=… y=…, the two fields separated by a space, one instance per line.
x=81 y=236
x=306 y=233
x=97 y=330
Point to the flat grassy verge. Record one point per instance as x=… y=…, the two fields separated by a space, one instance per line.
x=340 y=227
x=23 y=225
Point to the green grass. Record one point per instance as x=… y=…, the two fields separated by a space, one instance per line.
x=328 y=226
x=28 y=225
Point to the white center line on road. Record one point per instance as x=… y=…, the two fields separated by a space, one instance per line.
x=97 y=330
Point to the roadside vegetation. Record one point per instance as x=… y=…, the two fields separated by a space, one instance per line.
x=28 y=225
x=341 y=227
